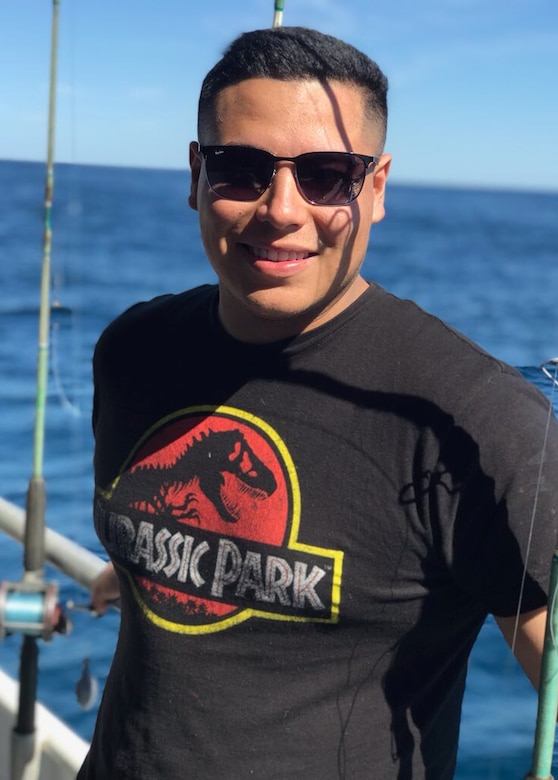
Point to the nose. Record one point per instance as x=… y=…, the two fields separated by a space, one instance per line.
x=282 y=204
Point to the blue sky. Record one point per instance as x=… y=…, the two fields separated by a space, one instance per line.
x=473 y=83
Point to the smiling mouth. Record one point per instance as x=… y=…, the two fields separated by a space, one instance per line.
x=278 y=255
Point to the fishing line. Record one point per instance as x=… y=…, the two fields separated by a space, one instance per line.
x=62 y=316
x=550 y=415
x=65 y=402
x=63 y=323
x=554 y=379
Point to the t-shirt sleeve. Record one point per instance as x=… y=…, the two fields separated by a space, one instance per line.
x=504 y=509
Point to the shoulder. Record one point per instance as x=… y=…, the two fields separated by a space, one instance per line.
x=153 y=324
x=162 y=309
x=446 y=383
x=425 y=355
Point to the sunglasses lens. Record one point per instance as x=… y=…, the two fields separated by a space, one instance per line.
x=330 y=178
x=244 y=173
x=238 y=173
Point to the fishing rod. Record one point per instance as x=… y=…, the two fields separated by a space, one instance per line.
x=70 y=558
x=548 y=689
x=279 y=6
x=31 y=606
x=547 y=710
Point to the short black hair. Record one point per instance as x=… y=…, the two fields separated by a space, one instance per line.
x=293 y=54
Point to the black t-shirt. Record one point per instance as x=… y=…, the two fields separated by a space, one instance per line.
x=309 y=536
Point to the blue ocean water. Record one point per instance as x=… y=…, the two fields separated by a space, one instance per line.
x=483 y=261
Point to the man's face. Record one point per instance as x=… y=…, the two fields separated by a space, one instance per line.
x=285 y=265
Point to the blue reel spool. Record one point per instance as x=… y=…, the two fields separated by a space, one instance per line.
x=30 y=610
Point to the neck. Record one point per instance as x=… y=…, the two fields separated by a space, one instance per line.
x=251 y=326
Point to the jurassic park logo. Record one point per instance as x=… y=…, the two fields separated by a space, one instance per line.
x=204 y=520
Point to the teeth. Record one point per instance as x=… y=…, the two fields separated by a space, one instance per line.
x=278 y=255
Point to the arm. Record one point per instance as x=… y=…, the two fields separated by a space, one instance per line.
x=105 y=589
x=529 y=640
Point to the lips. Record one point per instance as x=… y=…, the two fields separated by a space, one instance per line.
x=278 y=255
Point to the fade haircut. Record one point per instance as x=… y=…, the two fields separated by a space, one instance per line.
x=293 y=54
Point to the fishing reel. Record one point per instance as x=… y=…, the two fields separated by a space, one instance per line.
x=32 y=609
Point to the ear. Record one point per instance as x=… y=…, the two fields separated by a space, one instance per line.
x=195 y=166
x=380 y=181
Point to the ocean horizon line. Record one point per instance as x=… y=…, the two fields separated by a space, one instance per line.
x=394 y=181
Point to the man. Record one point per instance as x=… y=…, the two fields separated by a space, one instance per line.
x=313 y=492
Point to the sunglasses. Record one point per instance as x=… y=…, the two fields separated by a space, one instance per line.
x=323 y=178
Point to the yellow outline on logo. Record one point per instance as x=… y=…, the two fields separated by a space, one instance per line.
x=292 y=544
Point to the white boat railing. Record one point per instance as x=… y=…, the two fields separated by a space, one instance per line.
x=69 y=557
x=57 y=751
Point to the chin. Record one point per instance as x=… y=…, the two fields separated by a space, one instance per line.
x=275 y=308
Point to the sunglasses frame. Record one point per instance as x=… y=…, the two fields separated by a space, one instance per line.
x=367 y=160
